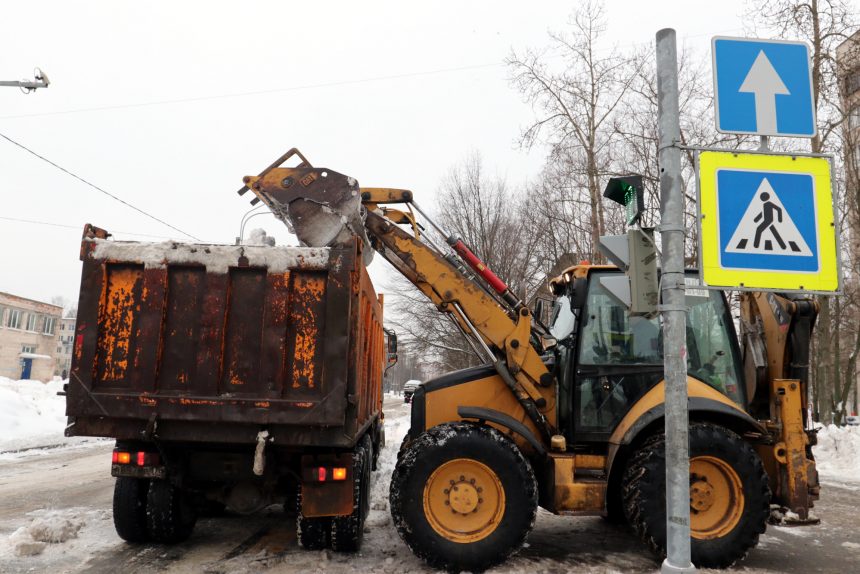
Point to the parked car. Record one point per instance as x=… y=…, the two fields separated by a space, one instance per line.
x=409 y=389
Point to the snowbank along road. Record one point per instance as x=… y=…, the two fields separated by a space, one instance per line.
x=55 y=516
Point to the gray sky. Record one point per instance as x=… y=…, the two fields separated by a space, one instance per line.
x=357 y=86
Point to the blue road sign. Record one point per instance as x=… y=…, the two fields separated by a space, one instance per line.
x=767 y=220
x=763 y=87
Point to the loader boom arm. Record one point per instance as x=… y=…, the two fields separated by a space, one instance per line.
x=497 y=324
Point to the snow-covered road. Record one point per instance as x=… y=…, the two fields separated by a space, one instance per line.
x=65 y=494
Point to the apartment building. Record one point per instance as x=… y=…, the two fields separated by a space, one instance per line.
x=28 y=337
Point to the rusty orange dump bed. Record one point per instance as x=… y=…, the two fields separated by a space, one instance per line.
x=214 y=343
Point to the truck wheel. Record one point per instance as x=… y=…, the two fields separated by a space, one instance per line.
x=129 y=508
x=463 y=497
x=347 y=532
x=313 y=533
x=729 y=495
x=170 y=516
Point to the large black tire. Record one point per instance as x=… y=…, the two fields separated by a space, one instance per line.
x=129 y=508
x=724 y=537
x=170 y=517
x=501 y=474
x=313 y=533
x=347 y=532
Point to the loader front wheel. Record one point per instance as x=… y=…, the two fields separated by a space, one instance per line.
x=463 y=497
x=729 y=495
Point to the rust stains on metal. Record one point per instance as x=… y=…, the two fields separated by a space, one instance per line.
x=305 y=318
x=147 y=401
x=122 y=295
x=193 y=402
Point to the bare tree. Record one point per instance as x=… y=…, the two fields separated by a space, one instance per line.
x=574 y=107
x=492 y=220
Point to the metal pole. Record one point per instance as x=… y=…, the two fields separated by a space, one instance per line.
x=41 y=81
x=673 y=309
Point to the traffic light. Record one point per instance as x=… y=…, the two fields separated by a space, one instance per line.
x=636 y=255
x=627 y=190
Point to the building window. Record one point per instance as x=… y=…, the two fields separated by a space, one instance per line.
x=49 y=325
x=13 y=320
x=28 y=349
x=31 y=321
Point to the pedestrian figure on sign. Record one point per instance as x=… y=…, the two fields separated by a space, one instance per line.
x=766 y=217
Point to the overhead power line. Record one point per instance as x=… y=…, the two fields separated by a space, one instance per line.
x=77 y=227
x=261 y=92
x=97 y=188
x=326 y=84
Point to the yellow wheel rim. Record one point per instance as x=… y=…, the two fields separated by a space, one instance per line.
x=464 y=500
x=716 y=498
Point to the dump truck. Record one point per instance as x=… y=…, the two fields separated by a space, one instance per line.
x=570 y=416
x=232 y=376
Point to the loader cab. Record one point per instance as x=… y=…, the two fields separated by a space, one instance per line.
x=608 y=359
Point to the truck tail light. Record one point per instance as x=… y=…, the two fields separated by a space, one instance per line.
x=322 y=473
x=141 y=458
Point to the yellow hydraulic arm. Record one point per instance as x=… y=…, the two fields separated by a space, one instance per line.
x=326 y=208
x=776 y=333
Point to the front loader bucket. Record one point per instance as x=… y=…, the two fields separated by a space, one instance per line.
x=322 y=207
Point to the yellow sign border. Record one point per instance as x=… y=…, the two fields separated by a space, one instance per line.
x=826 y=279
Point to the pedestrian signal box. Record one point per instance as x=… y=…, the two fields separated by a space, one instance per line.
x=767 y=222
x=627 y=190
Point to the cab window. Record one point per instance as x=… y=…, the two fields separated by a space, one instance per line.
x=611 y=337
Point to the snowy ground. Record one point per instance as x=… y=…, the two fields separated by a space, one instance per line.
x=32 y=416
x=55 y=515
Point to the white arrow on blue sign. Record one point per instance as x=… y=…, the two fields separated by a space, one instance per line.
x=763 y=87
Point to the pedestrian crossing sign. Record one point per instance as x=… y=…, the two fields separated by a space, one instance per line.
x=766 y=222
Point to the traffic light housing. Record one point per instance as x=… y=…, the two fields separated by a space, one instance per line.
x=627 y=190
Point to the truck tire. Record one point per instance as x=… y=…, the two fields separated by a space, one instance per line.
x=170 y=518
x=129 y=508
x=463 y=497
x=347 y=532
x=313 y=533
x=729 y=495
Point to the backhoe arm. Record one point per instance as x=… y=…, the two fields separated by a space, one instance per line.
x=777 y=333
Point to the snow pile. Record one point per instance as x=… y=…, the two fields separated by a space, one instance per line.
x=216 y=258
x=31 y=414
x=837 y=454
x=47 y=527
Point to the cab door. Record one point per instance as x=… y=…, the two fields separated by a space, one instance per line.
x=619 y=358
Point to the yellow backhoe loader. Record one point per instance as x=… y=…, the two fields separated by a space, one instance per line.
x=569 y=416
